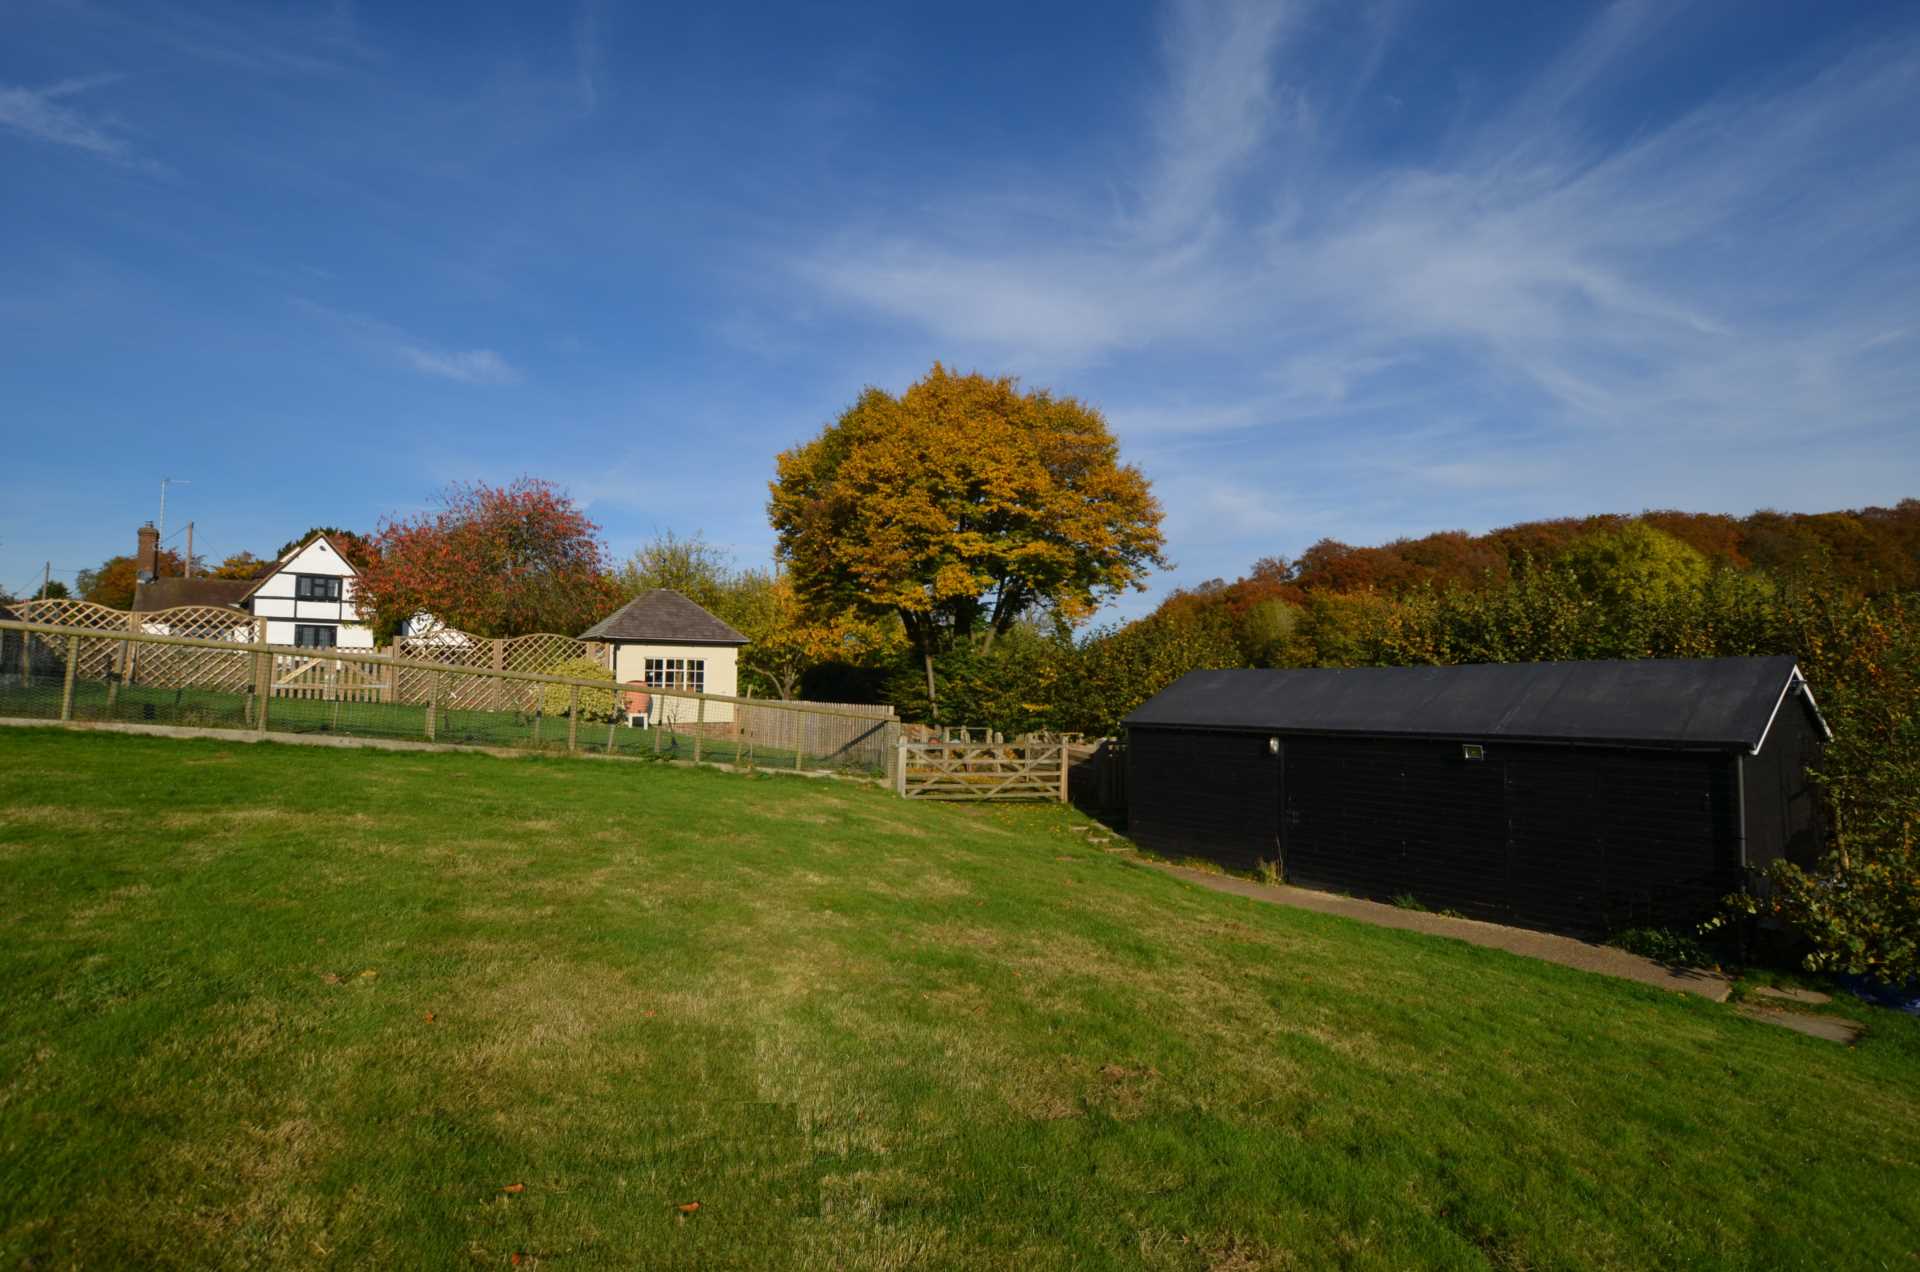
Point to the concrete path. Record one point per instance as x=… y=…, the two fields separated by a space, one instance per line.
x=1564 y=950
x=1832 y=1028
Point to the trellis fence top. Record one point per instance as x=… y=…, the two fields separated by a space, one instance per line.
x=407 y=664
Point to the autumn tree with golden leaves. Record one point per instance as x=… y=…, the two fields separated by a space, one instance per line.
x=960 y=505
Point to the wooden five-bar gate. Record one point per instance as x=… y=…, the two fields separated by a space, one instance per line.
x=1027 y=769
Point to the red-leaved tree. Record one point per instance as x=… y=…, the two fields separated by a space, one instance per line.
x=494 y=560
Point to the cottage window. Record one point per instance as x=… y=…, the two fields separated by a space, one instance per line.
x=316 y=635
x=316 y=587
x=677 y=673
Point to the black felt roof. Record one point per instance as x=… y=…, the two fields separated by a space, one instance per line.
x=1693 y=702
x=665 y=618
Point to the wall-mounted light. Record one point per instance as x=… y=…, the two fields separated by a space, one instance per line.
x=1472 y=751
x=1273 y=746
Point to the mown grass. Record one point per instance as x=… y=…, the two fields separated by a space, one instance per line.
x=276 y=1005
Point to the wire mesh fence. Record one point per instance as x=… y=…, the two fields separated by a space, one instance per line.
x=59 y=673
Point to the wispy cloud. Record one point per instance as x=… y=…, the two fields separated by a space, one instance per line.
x=469 y=366
x=400 y=347
x=266 y=39
x=45 y=114
x=1220 y=103
x=589 y=60
x=1743 y=267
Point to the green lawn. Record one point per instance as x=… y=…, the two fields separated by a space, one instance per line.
x=284 y=1005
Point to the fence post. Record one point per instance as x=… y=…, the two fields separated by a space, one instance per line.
x=890 y=743
x=900 y=768
x=122 y=670
x=573 y=718
x=393 y=673
x=66 y=685
x=433 y=700
x=262 y=688
x=499 y=664
x=699 y=725
x=133 y=651
x=1063 y=772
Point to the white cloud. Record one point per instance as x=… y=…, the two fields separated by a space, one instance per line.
x=44 y=115
x=395 y=344
x=1662 y=318
x=471 y=366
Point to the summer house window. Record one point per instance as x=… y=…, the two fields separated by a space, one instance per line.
x=677 y=673
x=315 y=635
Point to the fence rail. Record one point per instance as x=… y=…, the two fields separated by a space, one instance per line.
x=84 y=673
x=1022 y=770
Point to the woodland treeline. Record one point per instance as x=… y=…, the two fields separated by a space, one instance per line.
x=1838 y=591
x=1661 y=584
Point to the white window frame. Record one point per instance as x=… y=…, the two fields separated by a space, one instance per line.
x=677 y=673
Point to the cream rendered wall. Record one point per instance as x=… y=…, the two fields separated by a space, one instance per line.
x=723 y=676
x=275 y=600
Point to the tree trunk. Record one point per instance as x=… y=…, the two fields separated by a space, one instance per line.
x=920 y=632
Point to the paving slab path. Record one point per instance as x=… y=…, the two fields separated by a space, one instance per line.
x=1565 y=950
x=1832 y=1028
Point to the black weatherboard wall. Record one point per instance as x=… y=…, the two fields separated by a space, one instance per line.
x=1570 y=796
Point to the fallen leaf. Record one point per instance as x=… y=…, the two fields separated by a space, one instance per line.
x=429 y=1018
x=330 y=978
x=516 y=1258
x=515 y=1189
x=688 y=1208
x=368 y=974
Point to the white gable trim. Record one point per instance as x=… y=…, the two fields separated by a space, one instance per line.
x=1794 y=678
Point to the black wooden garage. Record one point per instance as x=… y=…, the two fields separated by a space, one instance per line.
x=1576 y=796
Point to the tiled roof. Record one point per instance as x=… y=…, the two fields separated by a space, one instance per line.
x=665 y=618
x=166 y=593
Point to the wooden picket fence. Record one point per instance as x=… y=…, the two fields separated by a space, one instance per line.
x=1023 y=770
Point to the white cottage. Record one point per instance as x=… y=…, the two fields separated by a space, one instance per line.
x=662 y=640
x=306 y=598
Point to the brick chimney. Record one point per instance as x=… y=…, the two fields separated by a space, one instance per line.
x=147 y=561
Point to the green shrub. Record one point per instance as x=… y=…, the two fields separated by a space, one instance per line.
x=595 y=704
x=1663 y=945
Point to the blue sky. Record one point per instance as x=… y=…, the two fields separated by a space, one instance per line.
x=1330 y=269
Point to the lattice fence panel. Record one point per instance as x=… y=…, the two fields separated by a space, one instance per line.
x=97 y=657
x=455 y=650
x=540 y=654
x=171 y=667
x=542 y=651
x=69 y=612
x=101 y=656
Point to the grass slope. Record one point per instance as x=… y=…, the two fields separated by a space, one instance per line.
x=860 y=1033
